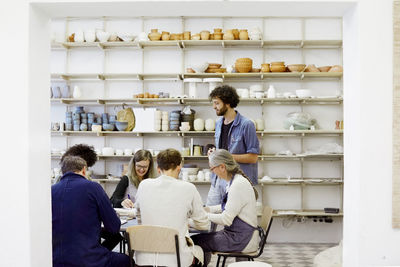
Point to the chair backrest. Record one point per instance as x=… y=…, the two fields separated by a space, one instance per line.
x=266 y=222
x=150 y=238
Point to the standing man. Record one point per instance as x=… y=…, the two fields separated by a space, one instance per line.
x=79 y=207
x=235 y=133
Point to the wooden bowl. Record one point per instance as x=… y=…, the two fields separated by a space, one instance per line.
x=296 y=67
x=324 y=68
x=278 y=68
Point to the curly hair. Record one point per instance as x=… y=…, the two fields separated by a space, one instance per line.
x=84 y=151
x=227 y=94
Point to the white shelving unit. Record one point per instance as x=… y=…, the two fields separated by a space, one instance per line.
x=143 y=77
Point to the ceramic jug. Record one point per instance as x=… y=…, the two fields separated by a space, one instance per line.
x=198 y=124
x=210 y=125
x=77 y=92
x=243 y=35
x=228 y=35
x=271 y=92
x=56 y=91
x=65 y=92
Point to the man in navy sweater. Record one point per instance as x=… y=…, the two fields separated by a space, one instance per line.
x=79 y=206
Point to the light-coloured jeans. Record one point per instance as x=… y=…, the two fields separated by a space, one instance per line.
x=216 y=193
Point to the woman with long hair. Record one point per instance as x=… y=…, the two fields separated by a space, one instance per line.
x=140 y=168
x=237 y=213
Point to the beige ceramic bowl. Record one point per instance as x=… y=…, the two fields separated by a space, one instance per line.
x=278 y=68
x=324 y=68
x=296 y=67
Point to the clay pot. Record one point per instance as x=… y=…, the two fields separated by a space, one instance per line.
x=236 y=34
x=243 y=35
x=211 y=36
x=218 y=30
x=265 y=67
x=165 y=36
x=205 y=35
x=186 y=36
x=228 y=35
x=154 y=35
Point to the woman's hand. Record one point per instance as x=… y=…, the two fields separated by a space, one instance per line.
x=207 y=209
x=127 y=204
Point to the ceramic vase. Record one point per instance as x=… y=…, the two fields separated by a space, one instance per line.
x=228 y=35
x=77 y=92
x=243 y=35
x=154 y=35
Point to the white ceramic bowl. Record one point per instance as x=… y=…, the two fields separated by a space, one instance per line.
x=200 y=68
x=303 y=93
x=103 y=36
x=126 y=37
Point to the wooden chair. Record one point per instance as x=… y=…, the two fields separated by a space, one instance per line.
x=266 y=222
x=156 y=239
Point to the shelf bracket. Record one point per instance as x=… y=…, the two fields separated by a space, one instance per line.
x=101 y=77
x=101 y=101
x=180 y=44
x=302 y=76
x=262 y=44
x=223 y=44
x=139 y=77
x=302 y=44
x=64 y=77
x=65 y=45
x=100 y=45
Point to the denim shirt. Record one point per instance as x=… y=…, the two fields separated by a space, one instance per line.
x=242 y=140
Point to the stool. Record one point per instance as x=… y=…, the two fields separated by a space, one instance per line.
x=249 y=264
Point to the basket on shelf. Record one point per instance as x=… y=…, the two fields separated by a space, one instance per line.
x=243 y=65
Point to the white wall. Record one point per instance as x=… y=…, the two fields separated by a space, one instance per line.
x=369 y=239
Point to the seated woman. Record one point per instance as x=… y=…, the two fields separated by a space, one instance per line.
x=140 y=168
x=238 y=210
x=170 y=202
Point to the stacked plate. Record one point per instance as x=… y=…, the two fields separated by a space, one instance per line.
x=174 y=120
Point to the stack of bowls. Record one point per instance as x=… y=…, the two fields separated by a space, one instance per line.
x=164 y=121
x=174 y=120
x=107 y=124
x=189 y=118
x=157 y=120
x=77 y=118
x=83 y=126
x=68 y=121
x=90 y=120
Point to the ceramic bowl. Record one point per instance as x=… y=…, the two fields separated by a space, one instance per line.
x=121 y=125
x=108 y=127
x=126 y=37
x=324 y=68
x=296 y=67
x=190 y=171
x=103 y=36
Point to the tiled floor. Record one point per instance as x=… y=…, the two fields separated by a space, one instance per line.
x=286 y=254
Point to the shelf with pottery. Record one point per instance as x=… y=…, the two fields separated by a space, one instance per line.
x=201 y=133
x=116 y=76
x=311 y=213
x=180 y=76
x=196 y=43
x=301 y=181
x=196 y=101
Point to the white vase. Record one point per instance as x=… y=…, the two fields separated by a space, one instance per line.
x=271 y=92
x=77 y=92
x=198 y=124
x=79 y=38
x=210 y=125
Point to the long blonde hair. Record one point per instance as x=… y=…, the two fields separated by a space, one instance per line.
x=222 y=156
x=140 y=155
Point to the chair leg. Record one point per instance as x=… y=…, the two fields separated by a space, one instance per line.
x=223 y=262
x=219 y=257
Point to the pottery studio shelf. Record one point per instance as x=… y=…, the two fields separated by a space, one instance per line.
x=180 y=76
x=305 y=213
x=183 y=44
x=287 y=133
x=192 y=101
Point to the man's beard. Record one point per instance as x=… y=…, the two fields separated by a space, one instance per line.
x=222 y=111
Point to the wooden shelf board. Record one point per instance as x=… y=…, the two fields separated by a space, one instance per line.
x=305 y=213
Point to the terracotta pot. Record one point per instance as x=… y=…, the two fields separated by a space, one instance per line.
x=228 y=35
x=154 y=35
x=205 y=35
x=186 y=36
x=243 y=35
x=236 y=34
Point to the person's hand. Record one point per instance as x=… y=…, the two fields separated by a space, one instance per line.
x=127 y=204
x=210 y=150
x=207 y=209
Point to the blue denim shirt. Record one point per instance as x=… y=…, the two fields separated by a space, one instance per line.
x=242 y=140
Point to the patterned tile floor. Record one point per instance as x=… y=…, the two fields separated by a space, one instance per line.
x=286 y=254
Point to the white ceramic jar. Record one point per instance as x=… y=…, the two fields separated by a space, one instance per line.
x=213 y=82
x=107 y=151
x=210 y=125
x=192 y=86
x=198 y=124
x=78 y=37
x=271 y=92
x=90 y=36
x=259 y=125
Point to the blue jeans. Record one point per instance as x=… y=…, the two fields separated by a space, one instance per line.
x=216 y=193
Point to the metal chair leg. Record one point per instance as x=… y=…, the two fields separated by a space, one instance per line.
x=223 y=262
x=219 y=257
